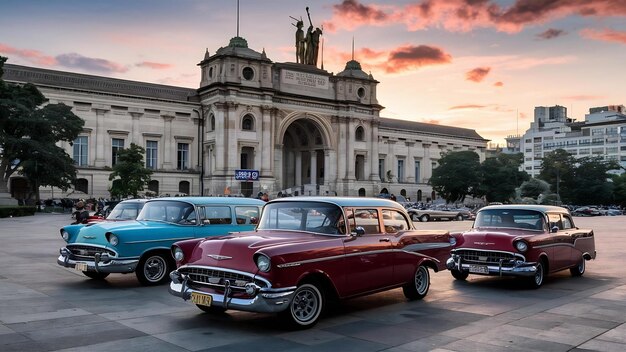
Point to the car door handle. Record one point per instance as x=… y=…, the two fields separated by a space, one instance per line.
x=384 y=240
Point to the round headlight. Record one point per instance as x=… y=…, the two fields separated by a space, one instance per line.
x=452 y=241
x=113 y=240
x=65 y=235
x=263 y=263
x=178 y=254
x=521 y=246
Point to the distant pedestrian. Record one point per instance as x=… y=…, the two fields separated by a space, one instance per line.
x=393 y=197
x=265 y=197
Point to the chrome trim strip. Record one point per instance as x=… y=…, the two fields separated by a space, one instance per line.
x=76 y=244
x=160 y=240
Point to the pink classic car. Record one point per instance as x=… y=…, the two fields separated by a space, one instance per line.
x=308 y=250
x=529 y=241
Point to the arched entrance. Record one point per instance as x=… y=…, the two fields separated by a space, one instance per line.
x=304 y=160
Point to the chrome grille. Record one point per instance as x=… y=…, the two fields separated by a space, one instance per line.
x=218 y=278
x=88 y=252
x=487 y=257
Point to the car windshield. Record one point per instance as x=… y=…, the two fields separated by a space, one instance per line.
x=168 y=211
x=512 y=218
x=126 y=211
x=317 y=217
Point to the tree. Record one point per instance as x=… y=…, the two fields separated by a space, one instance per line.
x=29 y=131
x=129 y=173
x=558 y=169
x=619 y=192
x=592 y=181
x=501 y=176
x=457 y=176
x=533 y=188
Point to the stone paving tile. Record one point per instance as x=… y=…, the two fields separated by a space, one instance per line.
x=427 y=343
x=61 y=313
x=617 y=335
x=24 y=346
x=390 y=335
x=206 y=337
x=137 y=344
x=474 y=346
x=345 y=344
x=616 y=294
x=508 y=337
x=310 y=337
x=38 y=325
x=5 y=329
x=264 y=344
x=547 y=321
x=14 y=292
x=601 y=345
x=590 y=310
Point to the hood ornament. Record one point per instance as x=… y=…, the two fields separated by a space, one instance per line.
x=219 y=257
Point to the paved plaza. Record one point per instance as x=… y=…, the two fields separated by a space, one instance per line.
x=44 y=307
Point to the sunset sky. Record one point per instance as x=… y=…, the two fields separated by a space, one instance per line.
x=479 y=64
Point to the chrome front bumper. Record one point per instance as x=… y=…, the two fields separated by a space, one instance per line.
x=264 y=300
x=101 y=263
x=504 y=268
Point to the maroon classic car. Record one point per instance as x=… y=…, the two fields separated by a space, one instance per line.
x=305 y=251
x=529 y=241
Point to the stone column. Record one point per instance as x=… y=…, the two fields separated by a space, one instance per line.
x=313 y=167
x=101 y=142
x=341 y=148
x=428 y=167
x=349 y=140
x=374 y=176
x=267 y=155
x=221 y=138
x=169 y=144
x=410 y=174
x=232 y=150
x=298 y=164
x=136 y=138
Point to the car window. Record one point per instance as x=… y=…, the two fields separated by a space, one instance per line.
x=319 y=217
x=555 y=220
x=567 y=222
x=216 y=215
x=247 y=215
x=367 y=219
x=394 y=221
x=169 y=211
x=512 y=218
x=125 y=211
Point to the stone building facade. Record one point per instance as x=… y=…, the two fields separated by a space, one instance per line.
x=300 y=129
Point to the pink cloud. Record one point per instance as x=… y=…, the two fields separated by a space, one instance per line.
x=467 y=107
x=154 y=65
x=432 y=121
x=498 y=84
x=584 y=97
x=607 y=35
x=79 y=61
x=477 y=74
x=523 y=115
x=551 y=34
x=465 y=15
x=34 y=56
x=411 y=57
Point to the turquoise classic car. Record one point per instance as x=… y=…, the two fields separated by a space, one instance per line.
x=125 y=210
x=143 y=245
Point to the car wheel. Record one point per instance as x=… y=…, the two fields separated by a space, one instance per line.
x=95 y=275
x=459 y=275
x=305 y=308
x=420 y=285
x=153 y=269
x=579 y=269
x=537 y=280
x=459 y=217
x=211 y=309
x=424 y=218
x=414 y=217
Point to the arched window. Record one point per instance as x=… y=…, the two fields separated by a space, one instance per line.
x=212 y=127
x=247 y=123
x=183 y=187
x=361 y=192
x=434 y=196
x=403 y=192
x=153 y=186
x=419 y=195
x=359 y=134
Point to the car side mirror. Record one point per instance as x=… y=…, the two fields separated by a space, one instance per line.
x=554 y=229
x=358 y=231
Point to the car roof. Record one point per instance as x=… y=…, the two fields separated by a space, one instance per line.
x=345 y=201
x=137 y=200
x=214 y=200
x=540 y=208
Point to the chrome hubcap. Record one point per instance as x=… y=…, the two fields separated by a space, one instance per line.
x=154 y=269
x=421 y=279
x=305 y=305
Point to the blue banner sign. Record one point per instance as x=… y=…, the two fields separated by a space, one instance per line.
x=247 y=175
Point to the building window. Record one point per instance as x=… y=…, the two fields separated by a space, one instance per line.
x=183 y=156
x=400 y=170
x=417 y=171
x=248 y=73
x=359 y=135
x=212 y=123
x=151 y=154
x=359 y=167
x=81 y=185
x=117 y=144
x=183 y=187
x=381 y=169
x=80 y=147
x=153 y=186
x=247 y=158
x=247 y=123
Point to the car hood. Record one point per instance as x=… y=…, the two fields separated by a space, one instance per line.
x=95 y=233
x=491 y=239
x=237 y=251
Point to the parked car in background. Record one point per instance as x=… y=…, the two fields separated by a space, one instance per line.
x=125 y=210
x=143 y=245
x=528 y=241
x=305 y=251
x=425 y=215
x=587 y=211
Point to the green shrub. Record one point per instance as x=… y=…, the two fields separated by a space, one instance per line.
x=8 y=211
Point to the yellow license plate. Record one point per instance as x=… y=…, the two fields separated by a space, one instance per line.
x=81 y=266
x=201 y=299
x=478 y=269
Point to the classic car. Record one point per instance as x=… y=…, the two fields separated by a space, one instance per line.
x=425 y=215
x=143 y=245
x=306 y=250
x=528 y=241
x=125 y=210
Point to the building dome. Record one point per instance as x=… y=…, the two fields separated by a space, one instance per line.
x=353 y=69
